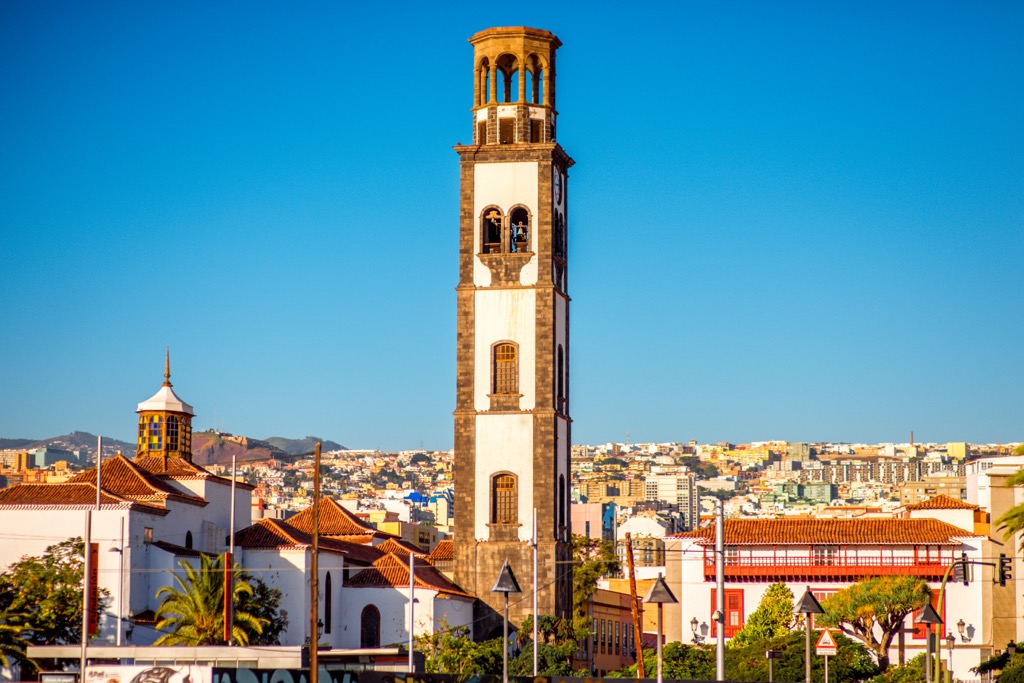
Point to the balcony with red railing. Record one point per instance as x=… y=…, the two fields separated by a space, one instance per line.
x=824 y=568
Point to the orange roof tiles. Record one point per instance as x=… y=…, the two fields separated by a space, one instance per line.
x=399 y=547
x=810 y=531
x=392 y=571
x=334 y=520
x=444 y=551
x=124 y=477
x=274 y=533
x=942 y=502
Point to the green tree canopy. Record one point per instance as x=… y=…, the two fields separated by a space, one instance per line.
x=772 y=618
x=193 y=613
x=593 y=559
x=873 y=610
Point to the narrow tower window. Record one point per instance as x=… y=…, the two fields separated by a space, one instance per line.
x=506 y=369
x=561 y=380
x=188 y=540
x=519 y=219
x=504 y=500
x=561 y=501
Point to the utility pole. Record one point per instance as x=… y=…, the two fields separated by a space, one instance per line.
x=720 y=593
x=314 y=596
x=638 y=633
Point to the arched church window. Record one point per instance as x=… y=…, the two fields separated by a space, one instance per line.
x=369 y=627
x=484 y=76
x=506 y=369
x=172 y=433
x=508 y=78
x=188 y=540
x=504 y=499
x=490 y=224
x=327 y=603
x=519 y=223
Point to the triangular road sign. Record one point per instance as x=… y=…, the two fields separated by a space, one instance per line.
x=826 y=640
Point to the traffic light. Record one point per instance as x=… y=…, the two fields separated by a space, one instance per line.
x=966 y=569
x=959 y=572
x=1005 y=569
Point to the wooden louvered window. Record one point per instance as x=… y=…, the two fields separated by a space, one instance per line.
x=506 y=369
x=504 y=500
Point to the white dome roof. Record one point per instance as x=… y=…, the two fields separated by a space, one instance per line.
x=166 y=399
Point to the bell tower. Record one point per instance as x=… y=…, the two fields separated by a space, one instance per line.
x=512 y=424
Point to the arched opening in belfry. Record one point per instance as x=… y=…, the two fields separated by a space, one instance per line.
x=508 y=78
x=484 y=81
x=490 y=233
x=534 y=80
x=519 y=223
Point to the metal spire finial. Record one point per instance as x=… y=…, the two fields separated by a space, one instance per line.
x=167 y=368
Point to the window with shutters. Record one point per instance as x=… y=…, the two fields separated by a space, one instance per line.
x=506 y=369
x=733 y=611
x=504 y=500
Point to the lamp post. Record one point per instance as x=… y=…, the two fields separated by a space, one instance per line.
x=506 y=584
x=698 y=637
x=1011 y=648
x=660 y=594
x=965 y=636
x=807 y=606
x=950 y=642
x=928 y=617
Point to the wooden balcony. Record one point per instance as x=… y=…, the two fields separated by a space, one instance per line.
x=764 y=569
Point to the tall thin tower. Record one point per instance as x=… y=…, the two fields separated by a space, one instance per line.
x=512 y=424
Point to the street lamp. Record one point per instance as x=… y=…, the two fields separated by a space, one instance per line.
x=660 y=594
x=928 y=617
x=964 y=635
x=807 y=606
x=698 y=638
x=1011 y=648
x=950 y=642
x=506 y=584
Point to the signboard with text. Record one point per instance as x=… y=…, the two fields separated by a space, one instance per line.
x=826 y=646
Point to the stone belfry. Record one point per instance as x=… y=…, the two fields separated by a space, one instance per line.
x=512 y=424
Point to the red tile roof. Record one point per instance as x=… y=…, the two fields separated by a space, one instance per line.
x=392 y=571
x=274 y=533
x=810 y=531
x=400 y=548
x=334 y=520
x=179 y=468
x=942 y=502
x=444 y=551
x=124 y=477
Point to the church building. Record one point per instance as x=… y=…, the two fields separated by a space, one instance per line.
x=512 y=424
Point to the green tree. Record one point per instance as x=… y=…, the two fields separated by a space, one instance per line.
x=44 y=594
x=852 y=661
x=1019 y=450
x=264 y=603
x=680 y=661
x=772 y=618
x=452 y=651
x=911 y=672
x=593 y=559
x=873 y=610
x=194 y=612
x=12 y=643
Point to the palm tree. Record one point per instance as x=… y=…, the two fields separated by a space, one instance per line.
x=12 y=642
x=194 y=612
x=1013 y=520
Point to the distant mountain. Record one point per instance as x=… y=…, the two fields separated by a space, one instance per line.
x=216 y=448
x=83 y=441
x=300 y=446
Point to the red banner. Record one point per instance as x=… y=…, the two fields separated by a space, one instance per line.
x=94 y=589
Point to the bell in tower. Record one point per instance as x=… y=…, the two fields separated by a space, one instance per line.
x=512 y=424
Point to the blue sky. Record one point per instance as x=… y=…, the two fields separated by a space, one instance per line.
x=788 y=220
